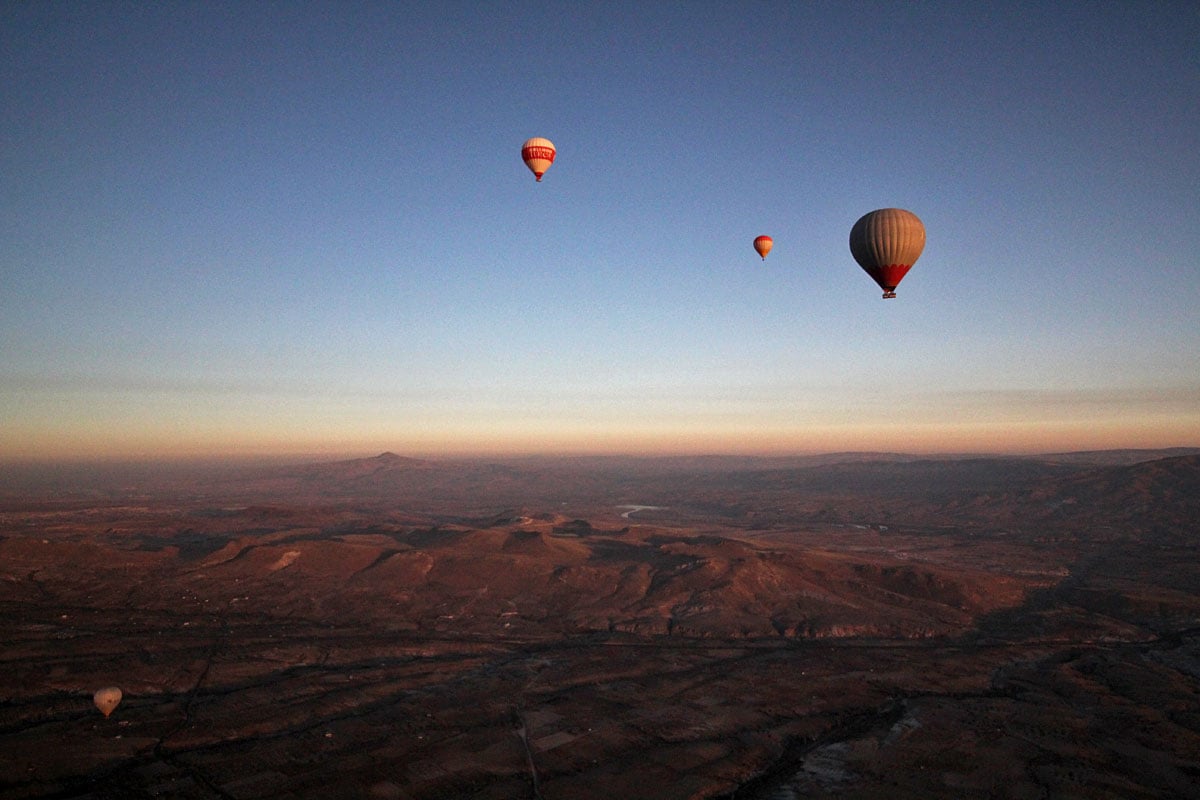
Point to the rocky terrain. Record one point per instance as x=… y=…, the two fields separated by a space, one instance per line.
x=860 y=625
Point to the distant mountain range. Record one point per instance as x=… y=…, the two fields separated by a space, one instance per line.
x=1124 y=484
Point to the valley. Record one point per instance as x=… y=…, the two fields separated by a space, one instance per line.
x=397 y=628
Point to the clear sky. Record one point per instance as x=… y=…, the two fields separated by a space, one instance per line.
x=285 y=227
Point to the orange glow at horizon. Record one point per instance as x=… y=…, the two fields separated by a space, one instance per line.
x=525 y=438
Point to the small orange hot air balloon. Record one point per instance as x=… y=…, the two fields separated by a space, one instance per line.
x=886 y=243
x=538 y=155
x=763 y=245
x=106 y=699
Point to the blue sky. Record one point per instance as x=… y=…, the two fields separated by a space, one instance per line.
x=305 y=227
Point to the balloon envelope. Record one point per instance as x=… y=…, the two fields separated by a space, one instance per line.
x=538 y=155
x=886 y=243
x=106 y=699
x=763 y=245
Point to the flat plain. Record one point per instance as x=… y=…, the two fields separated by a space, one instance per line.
x=852 y=625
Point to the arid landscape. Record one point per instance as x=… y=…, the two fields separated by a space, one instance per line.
x=852 y=626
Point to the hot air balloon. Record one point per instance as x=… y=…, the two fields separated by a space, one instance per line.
x=538 y=155
x=886 y=243
x=763 y=245
x=106 y=699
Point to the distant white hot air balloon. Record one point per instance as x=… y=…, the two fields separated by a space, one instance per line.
x=106 y=699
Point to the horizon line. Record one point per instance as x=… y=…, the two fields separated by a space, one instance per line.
x=308 y=457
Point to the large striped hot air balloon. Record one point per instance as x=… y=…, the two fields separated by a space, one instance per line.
x=886 y=243
x=763 y=245
x=538 y=155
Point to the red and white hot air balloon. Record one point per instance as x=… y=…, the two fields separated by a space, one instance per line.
x=763 y=245
x=538 y=155
x=886 y=243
